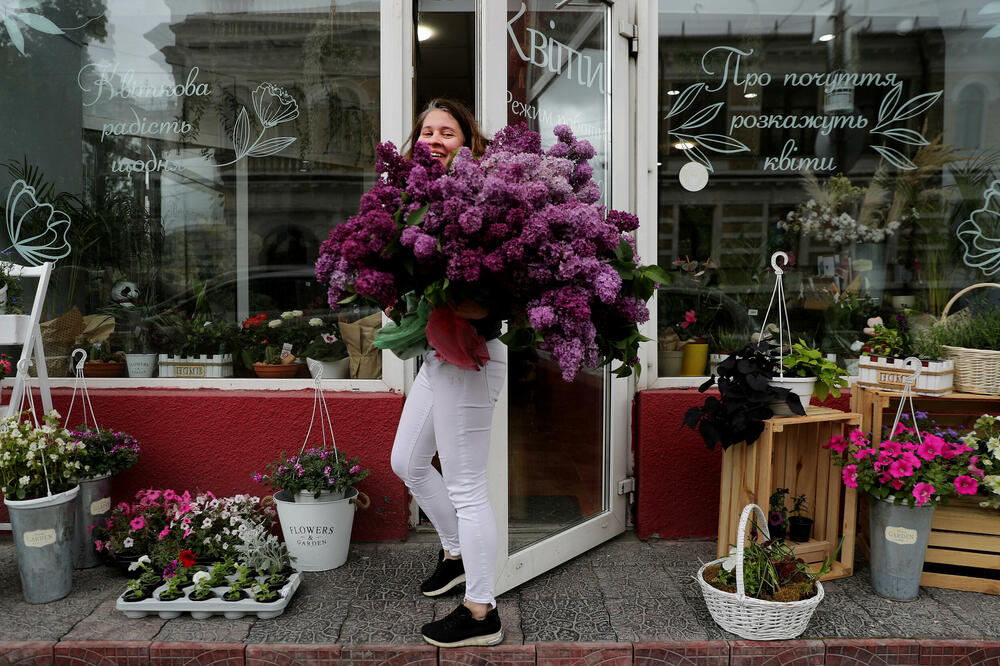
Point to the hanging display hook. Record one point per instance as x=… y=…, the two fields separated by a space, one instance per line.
x=907 y=395
x=778 y=294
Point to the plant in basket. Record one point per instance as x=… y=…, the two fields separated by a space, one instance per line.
x=37 y=460
x=107 y=451
x=745 y=398
x=312 y=472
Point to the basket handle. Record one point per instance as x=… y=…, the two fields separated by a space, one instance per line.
x=951 y=301
x=741 y=544
x=361 y=500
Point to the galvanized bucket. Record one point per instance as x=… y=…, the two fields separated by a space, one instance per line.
x=43 y=535
x=898 y=537
x=93 y=505
x=318 y=534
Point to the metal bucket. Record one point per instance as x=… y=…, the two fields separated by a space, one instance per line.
x=43 y=535
x=318 y=534
x=898 y=537
x=93 y=505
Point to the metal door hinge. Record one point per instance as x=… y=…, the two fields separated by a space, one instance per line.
x=630 y=31
x=626 y=485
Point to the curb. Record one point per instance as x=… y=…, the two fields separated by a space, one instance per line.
x=829 y=652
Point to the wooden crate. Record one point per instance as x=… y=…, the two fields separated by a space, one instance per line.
x=964 y=548
x=790 y=454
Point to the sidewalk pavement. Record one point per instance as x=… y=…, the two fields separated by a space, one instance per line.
x=627 y=601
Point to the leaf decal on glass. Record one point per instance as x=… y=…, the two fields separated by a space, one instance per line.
x=16 y=38
x=39 y=23
x=271 y=146
x=895 y=158
x=703 y=117
x=272 y=105
x=48 y=244
x=33 y=21
x=982 y=246
x=720 y=143
x=685 y=99
x=888 y=104
x=906 y=136
x=916 y=106
x=696 y=154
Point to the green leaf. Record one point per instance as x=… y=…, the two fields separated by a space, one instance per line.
x=349 y=299
x=417 y=216
x=655 y=273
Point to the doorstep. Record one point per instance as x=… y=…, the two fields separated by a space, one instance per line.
x=627 y=600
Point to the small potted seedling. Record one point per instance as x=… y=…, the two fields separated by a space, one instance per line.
x=149 y=579
x=217 y=576
x=245 y=576
x=173 y=589
x=799 y=526
x=202 y=590
x=264 y=593
x=777 y=514
x=235 y=591
x=135 y=591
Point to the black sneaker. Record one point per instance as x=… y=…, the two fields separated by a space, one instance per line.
x=447 y=575
x=459 y=629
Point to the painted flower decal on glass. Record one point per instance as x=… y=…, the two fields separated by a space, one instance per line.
x=36 y=229
x=273 y=105
x=980 y=234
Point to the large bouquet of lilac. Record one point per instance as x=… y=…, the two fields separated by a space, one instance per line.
x=518 y=231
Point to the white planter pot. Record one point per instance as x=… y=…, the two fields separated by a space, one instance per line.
x=141 y=365
x=936 y=377
x=331 y=369
x=318 y=534
x=307 y=497
x=801 y=386
x=206 y=365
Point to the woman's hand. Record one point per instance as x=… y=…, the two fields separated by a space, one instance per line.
x=468 y=309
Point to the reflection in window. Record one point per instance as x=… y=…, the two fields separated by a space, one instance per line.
x=969 y=117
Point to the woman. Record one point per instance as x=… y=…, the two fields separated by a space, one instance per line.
x=449 y=411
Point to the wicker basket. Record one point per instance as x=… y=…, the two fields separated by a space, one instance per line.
x=976 y=370
x=747 y=617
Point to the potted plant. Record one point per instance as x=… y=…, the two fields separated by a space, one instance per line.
x=695 y=350
x=107 y=453
x=148 y=578
x=262 y=552
x=236 y=591
x=270 y=346
x=327 y=353
x=883 y=358
x=135 y=591
x=245 y=576
x=263 y=593
x=219 y=572
x=197 y=346
x=202 y=590
x=745 y=398
x=102 y=362
x=172 y=591
x=724 y=342
x=807 y=372
x=985 y=436
x=799 y=526
x=972 y=344
x=316 y=499
x=10 y=285
x=777 y=514
x=38 y=466
x=904 y=478
x=762 y=590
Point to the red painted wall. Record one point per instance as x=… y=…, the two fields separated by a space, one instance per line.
x=205 y=439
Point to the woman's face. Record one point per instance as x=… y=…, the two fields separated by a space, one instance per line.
x=442 y=134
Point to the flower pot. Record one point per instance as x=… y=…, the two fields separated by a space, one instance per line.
x=193 y=596
x=235 y=596
x=173 y=595
x=276 y=370
x=93 y=506
x=141 y=365
x=694 y=358
x=306 y=497
x=799 y=528
x=103 y=369
x=776 y=531
x=898 y=537
x=800 y=386
x=132 y=596
x=670 y=363
x=330 y=369
x=43 y=535
x=317 y=534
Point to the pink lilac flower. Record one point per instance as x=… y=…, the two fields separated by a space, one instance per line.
x=922 y=492
x=966 y=485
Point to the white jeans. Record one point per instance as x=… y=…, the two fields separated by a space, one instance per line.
x=450 y=410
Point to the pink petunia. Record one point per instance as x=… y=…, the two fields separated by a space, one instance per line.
x=137 y=523
x=163 y=533
x=857 y=437
x=355 y=469
x=892 y=448
x=864 y=452
x=98 y=544
x=900 y=469
x=930 y=448
x=922 y=492
x=837 y=443
x=966 y=485
x=850 y=476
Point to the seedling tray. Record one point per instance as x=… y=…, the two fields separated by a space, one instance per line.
x=201 y=610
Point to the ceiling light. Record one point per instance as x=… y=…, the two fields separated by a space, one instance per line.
x=683 y=145
x=673 y=92
x=424 y=33
x=750 y=95
x=826 y=38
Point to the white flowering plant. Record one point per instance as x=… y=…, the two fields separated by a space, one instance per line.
x=985 y=437
x=36 y=460
x=261 y=338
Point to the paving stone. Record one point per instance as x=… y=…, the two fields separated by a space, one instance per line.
x=388 y=655
x=420 y=556
x=26 y=653
x=314 y=620
x=924 y=617
x=379 y=622
x=629 y=582
x=292 y=655
x=688 y=554
x=701 y=614
x=212 y=629
x=981 y=611
x=196 y=652
x=339 y=583
x=41 y=622
x=694 y=653
x=499 y=655
x=621 y=553
x=565 y=620
x=959 y=653
x=583 y=654
x=652 y=619
x=85 y=653
x=392 y=584
x=569 y=581
x=872 y=652
x=106 y=623
x=777 y=653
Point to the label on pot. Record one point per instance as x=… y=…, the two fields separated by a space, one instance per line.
x=100 y=506
x=901 y=535
x=311 y=535
x=39 y=538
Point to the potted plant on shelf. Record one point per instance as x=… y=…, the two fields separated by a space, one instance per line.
x=316 y=498
x=904 y=478
x=38 y=468
x=799 y=525
x=106 y=454
x=10 y=285
x=972 y=344
x=745 y=398
x=327 y=353
x=694 y=354
x=777 y=514
x=807 y=372
x=724 y=342
x=883 y=358
x=270 y=346
x=102 y=362
x=762 y=590
x=197 y=347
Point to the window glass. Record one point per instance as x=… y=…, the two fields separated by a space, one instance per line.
x=860 y=138
x=194 y=148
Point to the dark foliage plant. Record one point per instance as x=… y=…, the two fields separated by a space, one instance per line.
x=738 y=414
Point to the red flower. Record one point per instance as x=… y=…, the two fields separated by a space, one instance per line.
x=456 y=340
x=186 y=558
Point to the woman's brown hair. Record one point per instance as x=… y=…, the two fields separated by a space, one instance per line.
x=474 y=139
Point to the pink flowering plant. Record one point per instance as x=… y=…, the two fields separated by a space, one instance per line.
x=518 y=232
x=313 y=470
x=908 y=469
x=107 y=451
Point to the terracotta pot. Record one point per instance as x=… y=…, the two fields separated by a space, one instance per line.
x=102 y=369
x=276 y=370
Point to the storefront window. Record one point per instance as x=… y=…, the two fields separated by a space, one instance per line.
x=858 y=138
x=198 y=151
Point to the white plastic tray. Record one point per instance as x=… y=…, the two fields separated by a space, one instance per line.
x=200 y=610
